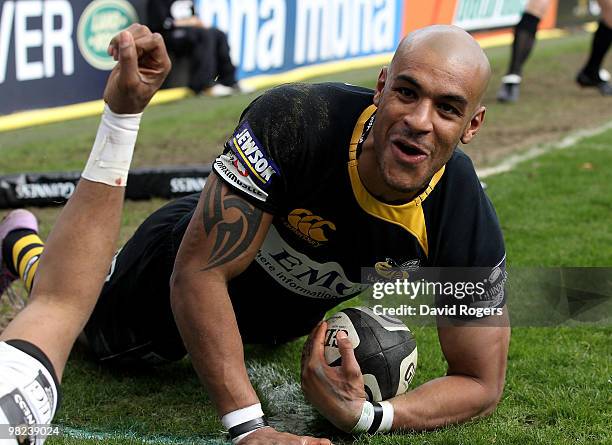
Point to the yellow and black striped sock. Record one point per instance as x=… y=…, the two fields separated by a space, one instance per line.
x=21 y=251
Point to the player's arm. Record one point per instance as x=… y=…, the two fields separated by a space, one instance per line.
x=476 y=356
x=80 y=247
x=221 y=240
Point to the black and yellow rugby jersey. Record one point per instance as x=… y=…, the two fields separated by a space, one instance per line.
x=295 y=154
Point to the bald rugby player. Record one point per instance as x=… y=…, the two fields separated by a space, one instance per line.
x=34 y=347
x=316 y=182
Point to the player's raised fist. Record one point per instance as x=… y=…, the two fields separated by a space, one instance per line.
x=143 y=64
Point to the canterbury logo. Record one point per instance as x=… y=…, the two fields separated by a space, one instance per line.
x=312 y=226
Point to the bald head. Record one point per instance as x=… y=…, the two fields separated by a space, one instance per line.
x=452 y=49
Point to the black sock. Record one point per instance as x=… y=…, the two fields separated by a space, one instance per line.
x=601 y=43
x=524 y=38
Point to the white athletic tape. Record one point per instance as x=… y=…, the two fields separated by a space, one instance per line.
x=387 y=419
x=242 y=415
x=366 y=419
x=111 y=155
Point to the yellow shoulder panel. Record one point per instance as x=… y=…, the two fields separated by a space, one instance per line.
x=409 y=216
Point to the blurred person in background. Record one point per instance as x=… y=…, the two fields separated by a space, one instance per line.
x=591 y=75
x=211 y=69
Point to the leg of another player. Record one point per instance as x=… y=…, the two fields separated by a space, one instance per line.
x=201 y=72
x=20 y=250
x=208 y=52
x=226 y=69
x=524 y=39
x=73 y=267
x=80 y=247
x=589 y=75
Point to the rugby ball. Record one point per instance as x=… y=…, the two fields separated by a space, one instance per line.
x=384 y=348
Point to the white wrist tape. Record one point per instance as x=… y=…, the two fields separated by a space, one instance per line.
x=365 y=420
x=375 y=418
x=111 y=155
x=242 y=415
x=387 y=418
x=244 y=421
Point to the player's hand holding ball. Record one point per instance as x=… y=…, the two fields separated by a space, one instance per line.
x=142 y=68
x=355 y=358
x=336 y=392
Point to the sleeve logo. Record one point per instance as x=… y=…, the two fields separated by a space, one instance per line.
x=233 y=172
x=251 y=154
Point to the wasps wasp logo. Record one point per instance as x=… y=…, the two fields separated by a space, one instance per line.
x=391 y=270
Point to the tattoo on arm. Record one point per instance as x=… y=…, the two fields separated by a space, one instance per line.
x=233 y=237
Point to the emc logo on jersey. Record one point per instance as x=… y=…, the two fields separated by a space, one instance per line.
x=311 y=228
x=252 y=156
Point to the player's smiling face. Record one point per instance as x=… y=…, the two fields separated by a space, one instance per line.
x=427 y=103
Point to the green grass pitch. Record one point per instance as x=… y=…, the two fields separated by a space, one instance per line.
x=555 y=210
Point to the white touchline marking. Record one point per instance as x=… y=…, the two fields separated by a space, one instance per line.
x=286 y=407
x=570 y=140
x=84 y=434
